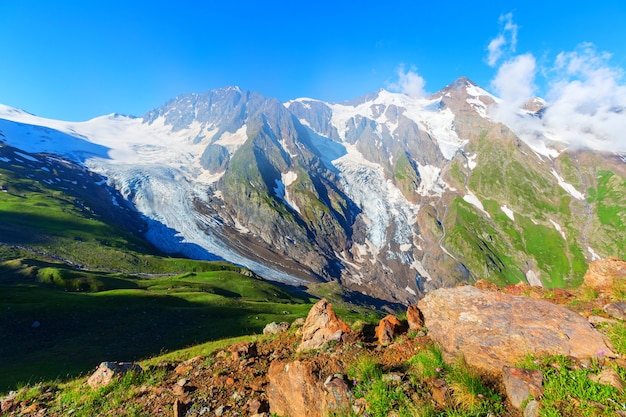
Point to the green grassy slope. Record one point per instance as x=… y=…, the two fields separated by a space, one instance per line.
x=86 y=317
x=551 y=231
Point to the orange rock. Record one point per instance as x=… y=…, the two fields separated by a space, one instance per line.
x=602 y=275
x=321 y=326
x=387 y=329
x=306 y=389
x=492 y=329
x=415 y=318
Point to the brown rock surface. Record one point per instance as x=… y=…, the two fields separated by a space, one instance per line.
x=520 y=384
x=602 y=275
x=415 y=318
x=491 y=329
x=388 y=327
x=306 y=389
x=321 y=326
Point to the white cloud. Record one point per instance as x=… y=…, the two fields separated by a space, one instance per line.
x=506 y=41
x=514 y=84
x=409 y=82
x=586 y=100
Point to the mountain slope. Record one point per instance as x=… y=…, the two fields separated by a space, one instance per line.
x=389 y=195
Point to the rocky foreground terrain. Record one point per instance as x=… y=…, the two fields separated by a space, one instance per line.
x=470 y=350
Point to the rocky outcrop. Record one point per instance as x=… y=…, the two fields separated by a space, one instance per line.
x=321 y=326
x=388 y=328
x=491 y=330
x=602 y=275
x=108 y=371
x=307 y=389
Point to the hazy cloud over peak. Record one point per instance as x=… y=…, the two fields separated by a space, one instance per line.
x=409 y=82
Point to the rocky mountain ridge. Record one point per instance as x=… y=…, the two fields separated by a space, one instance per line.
x=390 y=195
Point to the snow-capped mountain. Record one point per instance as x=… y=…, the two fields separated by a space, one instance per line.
x=388 y=194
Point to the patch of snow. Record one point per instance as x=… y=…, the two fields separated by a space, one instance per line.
x=473 y=200
x=533 y=278
x=417 y=265
x=430 y=184
x=405 y=247
x=471 y=161
x=282 y=191
x=3 y=159
x=240 y=227
x=594 y=254
x=558 y=228
x=45 y=169
x=479 y=106
x=410 y=290
x=508 y=212
x=568 y=187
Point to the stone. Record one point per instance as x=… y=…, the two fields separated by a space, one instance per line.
x=520 y=384
x=608 y=376
x=388 y=328
x=321 y=326
x=492 y=329
x=440 y=391
x=107 y=371
x=602 y=275
x=532 y=409
x=256 y=406
x=307 y=388
x=276 y=328
x=415 y=318
x=243 y=350
x=616 y=310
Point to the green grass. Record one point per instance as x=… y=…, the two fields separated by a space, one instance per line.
x=607 y=198
x=568 y=390
x=470 y=394
x=126 y=318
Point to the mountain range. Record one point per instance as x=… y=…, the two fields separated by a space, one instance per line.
x=389 y=195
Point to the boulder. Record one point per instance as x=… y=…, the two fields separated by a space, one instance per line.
x=415 y=318
x=321 y=326
x=520 y=384
x=388 y=327
x=307 y=389
x=276 y=328
x=491 y=329
x=602 y=275
x=107 y=371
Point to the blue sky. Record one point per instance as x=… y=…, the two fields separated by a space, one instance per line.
x=74 y=60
